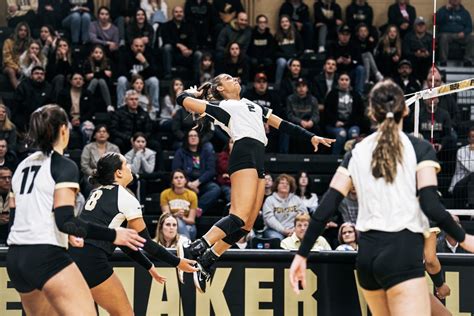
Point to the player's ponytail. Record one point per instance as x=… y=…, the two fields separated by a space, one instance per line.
x=45 y=123
x=106 y=167
x=386 y=107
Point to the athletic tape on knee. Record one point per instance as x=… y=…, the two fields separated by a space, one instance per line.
x=235 y=236
x=230 y=224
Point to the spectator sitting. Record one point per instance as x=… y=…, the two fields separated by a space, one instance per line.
x=417 y=47
x=60 y=66
x=22 y=11
x=238 y=31
x=348 y=237
x=199 y=163
x=31 y=94
x=288 y=84
x=455 y=25
x=235 y=64
x=156 y=11
x=206 y=68
x=267 y=98
x=360 y=12
x=405 y=80
x=199 y=14
x=140 y=158
x=293 y=242
x=348 y=58
x=170 y=107
x=349 y=207
x=303 y=190
x=7 y=158
x=31 y=58
x=325 y=82
x=167 y=233
x=13 y=47
x=139 y=27
x=77 y=15
x=281 y=208
x=138 y=61
x=262 y=46
x=48 y=40
x=122 y=14
x=344 y=113
x=98 y=73
x=289 y=45
x=5 y=189
x=447 y=244
x=223 y=178
x=92 y=153
x=128 y=120
x=268 y=185
x=225 y=11
x=179 y=44
x=299 y=13
x=462 y=184
x=183 y=122
x=49 y=12
x=78 y=103
x=389 y=52
x=327 y=18
x=402 y=15
x=103 y=32
x=302 y=109
x=7 y=128
x=138 y=84
x=366 y=44
x=181 y=203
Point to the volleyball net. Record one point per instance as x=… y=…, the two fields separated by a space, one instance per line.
x=457 y=99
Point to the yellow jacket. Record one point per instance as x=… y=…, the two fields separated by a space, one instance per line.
x=10 y=59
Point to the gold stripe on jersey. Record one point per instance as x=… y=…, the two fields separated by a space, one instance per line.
x=62 y=185
x=428 y=163
x=344 y=171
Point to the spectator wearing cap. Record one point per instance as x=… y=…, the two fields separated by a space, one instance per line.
x=348 y=58
x=417 y=48
x=267 y=98
x=325 y=82
x=455 y=25
x=302 y=109
x=344 y=113
x=299 y=13
x=31 y=94
x=262 y=46
x=405 y=79
x=327 y=18
x=402 y=15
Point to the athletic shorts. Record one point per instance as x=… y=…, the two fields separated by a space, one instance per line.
x=247 y=153
x=31 y=266
x=93 y=263
x=386 y=259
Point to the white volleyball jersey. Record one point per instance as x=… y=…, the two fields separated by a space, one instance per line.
x=240 y=118
x=33 y=185
x=389 y=207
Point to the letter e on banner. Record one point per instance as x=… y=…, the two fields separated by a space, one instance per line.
x=254 y=294
x=310 y=305
x=7 y=295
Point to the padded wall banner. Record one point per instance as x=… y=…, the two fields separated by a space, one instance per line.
x=256 y=283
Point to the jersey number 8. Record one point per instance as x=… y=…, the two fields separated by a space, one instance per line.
x=92 y=201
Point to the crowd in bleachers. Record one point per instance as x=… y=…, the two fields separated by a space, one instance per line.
x=117 y=71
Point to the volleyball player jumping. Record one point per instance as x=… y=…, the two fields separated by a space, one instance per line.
x=44 y=192
x=387 y=169
x=110 y=205
x=244 y=121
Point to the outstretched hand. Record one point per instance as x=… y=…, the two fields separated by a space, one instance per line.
x=194 y=91
x=316 y=140
x=298 y=273
x=156 y=276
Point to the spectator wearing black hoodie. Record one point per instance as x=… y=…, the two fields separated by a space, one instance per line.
x=121 y=12
x=199 y=14
x=262 y=46
x=327 y=18
x=299 y=13
x=325 y=82
x=359 y=11
x=402 y=15
x=417 y=48
x=405 y=80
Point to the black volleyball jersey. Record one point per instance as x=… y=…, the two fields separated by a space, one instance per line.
x=110 y=205
x=33 y=186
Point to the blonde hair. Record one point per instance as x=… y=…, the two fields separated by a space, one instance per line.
x=302 y=217
x=386 y=107
x=160 y=238
x=7 y=125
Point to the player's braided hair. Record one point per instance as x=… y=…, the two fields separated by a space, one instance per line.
x=386 y=107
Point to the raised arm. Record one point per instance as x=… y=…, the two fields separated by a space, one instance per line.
x=188 y=99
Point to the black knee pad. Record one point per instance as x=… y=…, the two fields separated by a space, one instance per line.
x=235 y=237
x=230 y=223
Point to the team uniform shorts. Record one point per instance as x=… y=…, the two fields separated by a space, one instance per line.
x=247 y=153
x=93 y=263
x=386 y=259
x=31 y=266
